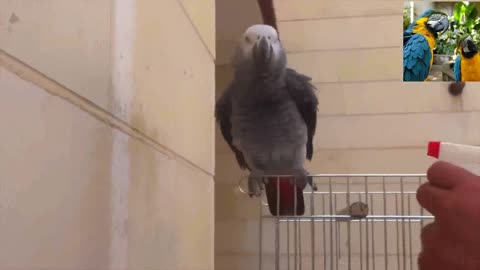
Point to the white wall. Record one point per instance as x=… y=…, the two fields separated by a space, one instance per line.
x=103 y=105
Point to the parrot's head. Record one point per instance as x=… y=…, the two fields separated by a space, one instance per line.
x=466 y=46
x=436 y=21
x=261 y=49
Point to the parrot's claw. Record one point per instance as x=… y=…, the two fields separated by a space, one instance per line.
x=301 y=179
x=312 y=184
x=264 y=182
x=255 y=186
x=254 y=194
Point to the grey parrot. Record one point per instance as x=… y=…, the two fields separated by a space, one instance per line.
x=268 y=116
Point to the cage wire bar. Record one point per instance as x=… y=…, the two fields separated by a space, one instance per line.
x=352 y=221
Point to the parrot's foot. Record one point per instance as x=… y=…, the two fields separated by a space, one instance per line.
x=255 y=186
x=302 y=178
x=312 y=184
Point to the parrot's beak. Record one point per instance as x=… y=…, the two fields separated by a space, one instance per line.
x=441 y=25
x=262 y=51
x=469 y=46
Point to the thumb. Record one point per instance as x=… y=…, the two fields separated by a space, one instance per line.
x=448 y=176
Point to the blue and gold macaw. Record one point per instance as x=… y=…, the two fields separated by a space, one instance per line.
x=467 y=64
x=419 y=42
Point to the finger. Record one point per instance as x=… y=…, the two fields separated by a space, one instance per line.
x=429 y=236
x=431 y=261
x=425 y=261
x=435 y=237
x=434 y=199
x=448 y=176
x=437 y=243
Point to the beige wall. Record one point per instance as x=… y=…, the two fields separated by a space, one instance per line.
x=103 y=104
x=233 y=17
x=369 y=121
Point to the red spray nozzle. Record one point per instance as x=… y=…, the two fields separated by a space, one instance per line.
x=433 y=149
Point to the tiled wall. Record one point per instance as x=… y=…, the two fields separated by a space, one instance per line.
x=369 y=121
x=107 y=154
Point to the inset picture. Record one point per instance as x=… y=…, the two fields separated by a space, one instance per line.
x=441 y=41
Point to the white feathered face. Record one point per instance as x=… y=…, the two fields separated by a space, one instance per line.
x=261 y=44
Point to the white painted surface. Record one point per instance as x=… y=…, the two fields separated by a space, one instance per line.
x=123 y=87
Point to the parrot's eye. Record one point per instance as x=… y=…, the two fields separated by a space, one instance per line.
x=269 y=37
x=436 y=17
x=247 y=39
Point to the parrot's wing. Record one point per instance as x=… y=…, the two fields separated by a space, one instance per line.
x=416 y=59
x=457 y=69
x=302 y=92
x=406 y=36
x=223 y=111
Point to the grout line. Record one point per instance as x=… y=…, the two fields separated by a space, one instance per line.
x=341 y=49
x=379 y=148
x=339 y=17
x=196 y=30
x=442 y=83
x=323 y=116
x=338 y=149
x=356 y=81
x=322 y=84
x=333 y=50
x=34 y=76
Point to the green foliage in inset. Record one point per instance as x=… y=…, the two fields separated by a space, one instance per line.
x=464 y=21
x=406 y=18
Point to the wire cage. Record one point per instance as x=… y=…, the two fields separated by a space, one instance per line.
x=352 y=221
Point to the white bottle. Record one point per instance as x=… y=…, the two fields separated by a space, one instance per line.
x=465 y=156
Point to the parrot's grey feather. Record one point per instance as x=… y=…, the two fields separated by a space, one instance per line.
x=302 y=92
x=266 y=124
x=267 y=114
x=223 y=111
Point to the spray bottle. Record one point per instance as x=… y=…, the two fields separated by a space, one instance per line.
x=465 y=156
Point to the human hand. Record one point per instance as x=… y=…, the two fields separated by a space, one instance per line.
x=452 y=241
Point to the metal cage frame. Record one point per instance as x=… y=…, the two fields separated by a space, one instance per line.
x=331 y=221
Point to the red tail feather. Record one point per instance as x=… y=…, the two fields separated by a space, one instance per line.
x=286 y=201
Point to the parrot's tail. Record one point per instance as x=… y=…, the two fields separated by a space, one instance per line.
x=286 y=201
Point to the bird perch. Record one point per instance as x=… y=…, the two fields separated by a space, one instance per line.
x=267 y=10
